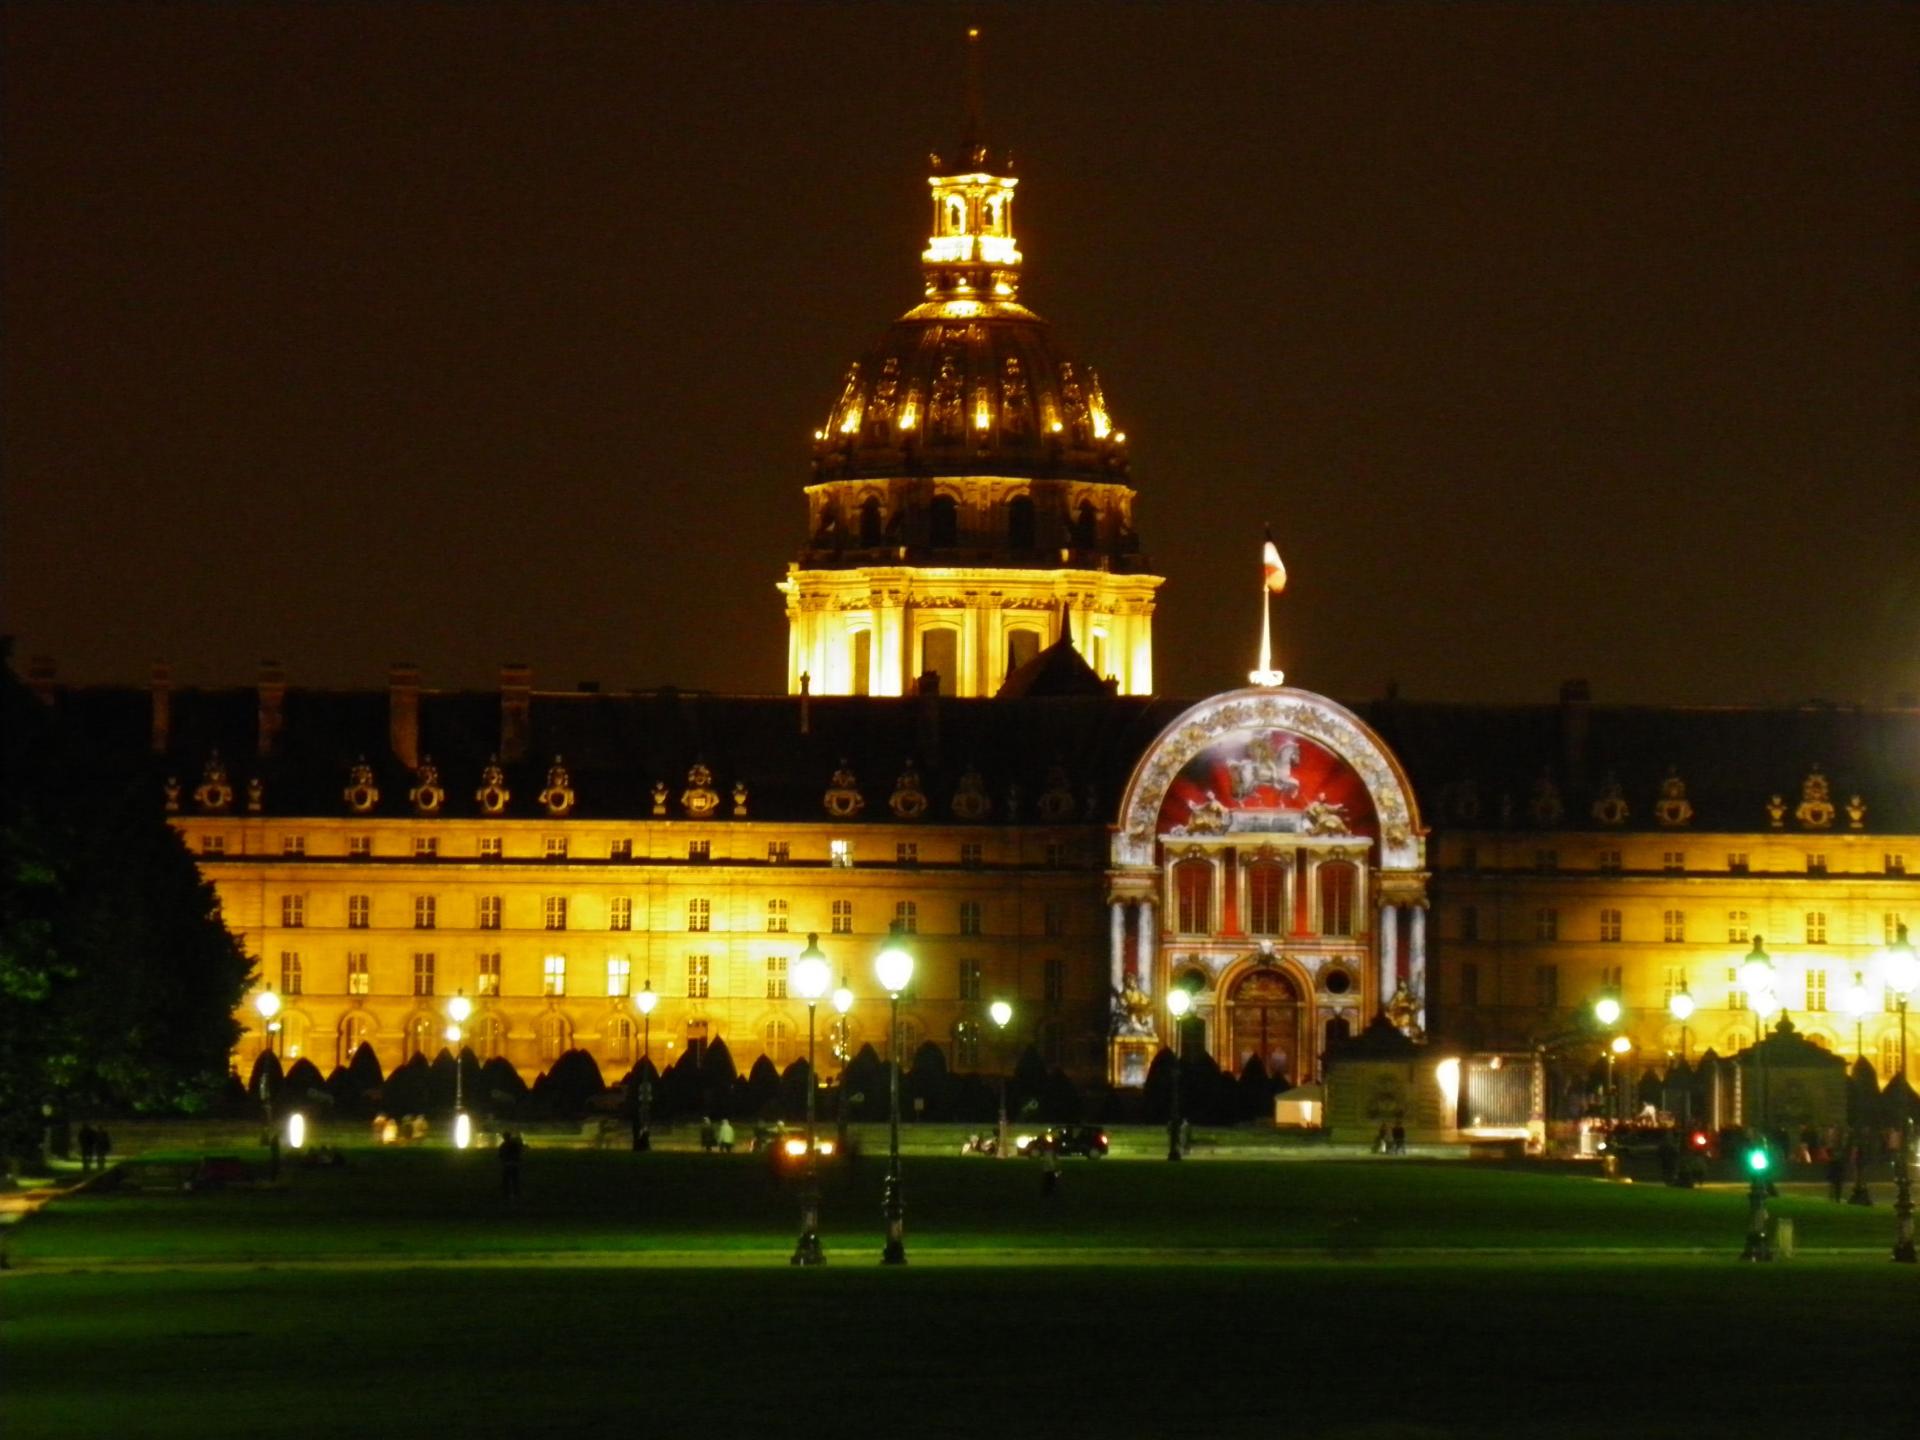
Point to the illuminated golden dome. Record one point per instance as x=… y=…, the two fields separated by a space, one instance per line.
x=970 y=381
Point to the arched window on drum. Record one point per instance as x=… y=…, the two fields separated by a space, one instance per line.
x=1266 y=898
x=1338 y=881
x=1193 y=897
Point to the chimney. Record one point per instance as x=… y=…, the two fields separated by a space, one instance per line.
x=926 y=727
x=806 y=702
x=40 y=673
x=403 y=713
x=161 y=685
x=273 y=697
x=516 y=706
x=1576 y=713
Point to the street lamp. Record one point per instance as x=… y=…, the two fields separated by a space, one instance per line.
x=268 y=1004
x=1901 y=967
x=1607 y=1010
x=842 y=1003
x=642 y=1083
x=458 y=1009
x=1001 y=1013
x=893 y=966
x=1856 y=1001
x=1617 y=1049
x=1757 y=979
x=1179 y=1002
x=1681 y=1007
x=810 y=977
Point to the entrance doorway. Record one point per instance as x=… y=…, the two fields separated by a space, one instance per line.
x=1264 y=1016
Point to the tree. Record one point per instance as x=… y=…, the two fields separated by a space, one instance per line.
x=574 y=1080
x=118 y=979
x=926 y=1082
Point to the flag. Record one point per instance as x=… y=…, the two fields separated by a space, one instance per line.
x=1276 y=573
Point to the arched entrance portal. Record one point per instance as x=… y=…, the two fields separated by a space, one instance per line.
x=1264 y=1018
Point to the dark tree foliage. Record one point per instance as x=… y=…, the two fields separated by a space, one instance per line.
x=793 y=1091
x=409 y=1089
x=266 y=1080
x=1059 y=1099
x=1863 y=1094
x=927 y=1083
x=758 y=1096
x=118 y=980
x=717 y=1076
x=1256 y=1091
x=865 y=1081
x=500 y=1085
x=304 y=1087
x=572 y=1083
x=1027 y=1083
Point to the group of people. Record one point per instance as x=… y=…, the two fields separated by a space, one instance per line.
x=94 y=1148
x=716 y=1137
x=1391 y=1140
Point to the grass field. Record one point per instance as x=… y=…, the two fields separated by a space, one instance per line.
x=650 y=1293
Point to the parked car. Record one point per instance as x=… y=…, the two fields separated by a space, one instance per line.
x=1087 y=1140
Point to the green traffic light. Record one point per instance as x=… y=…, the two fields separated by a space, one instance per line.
x=1758 y=1160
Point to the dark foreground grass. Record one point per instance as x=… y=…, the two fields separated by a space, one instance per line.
x=1505 y=1347
x=428 y=1204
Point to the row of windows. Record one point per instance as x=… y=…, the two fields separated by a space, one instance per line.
x=1673 y=926
x=1739 y=862
x=969 y=976
x=1674 y=980
x=1058 y=854
x=554 y=912
x=1265 y=891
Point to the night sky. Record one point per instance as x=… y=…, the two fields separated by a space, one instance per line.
x=1551 y=341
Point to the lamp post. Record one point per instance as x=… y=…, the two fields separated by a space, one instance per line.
x=1607 y=1010
x=268 y=1004
x=643 y=1084
x=1179 y=1002
x=1681 y=1007
x=1001 y=1013
x=1902 y=970
x=893 y=966
x=1855 y=1001
x=1618 y=1048
x=842 y=1003
x=1757 y=979
x=810 y=977
x=458 y=1009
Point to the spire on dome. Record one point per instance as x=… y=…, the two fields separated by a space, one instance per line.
x=971 y=254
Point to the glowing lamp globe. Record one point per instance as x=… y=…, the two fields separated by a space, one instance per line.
x=1681 y=1006
x=1620 y=1045
x=1765 y=1003
x=1606 y=1010
x=1179 y=1002
x=646 y=1000
x=810 y=972
x=894 y=967
x=842 y=998
x=1000 y=1012
x=1756 y=971
x=1900 y=964
x=1855 y=1000
x=452 y=1034
x=267 y=1003
x=459 y=1008
x=296 y=1130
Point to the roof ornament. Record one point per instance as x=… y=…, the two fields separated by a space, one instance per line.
x=1273 y=580
x=909 y=800
x=1544 y=804
x=739 y=799
x=970 y=799
x=699 y=799
x=843 y=798
x=1856 y=813
x=1056 y=801
x=659 y=799
x=493 y=794
x=361 y=793
x=1610 y=807
x=428 y=795
x=1673 y=810
x=172 y=791
x=214 y=794
x=1815 y=810
x=1776 y=812
x=557 y=799
x=256 y=794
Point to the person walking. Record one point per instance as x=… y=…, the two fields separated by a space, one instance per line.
x=724 y=1136
x=1399 y=1138
x=86 y=1148
x=102 y=1143
x=511 y=1147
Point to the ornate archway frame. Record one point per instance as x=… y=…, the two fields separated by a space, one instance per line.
x=1236 y=971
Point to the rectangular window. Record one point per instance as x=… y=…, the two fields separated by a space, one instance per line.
x=1737 y=927
x=491 y=847
x=423 y=972
x=843 y=917
x=776 y=977
x=1546 y=923
x=1674 y=861
x=1610 y=926
x=1816 y=989
x=619 y=977
x=1546 y=986
x=553 y=975
x=840 y=853
x=358 y=980
x=620 y=913
x=906 y=917
x=1895 y=864
x=1673 y=981
x=1816 y=927
x=1611 y=978
x=359 y=911
x=359 y=847
x=290 y=972
x=776 y=917
x=556 y=912
x=1469 y=922
x=213 y=844
x=293 y=844
x=1546 y=859
x=1266 y=898
x=970 y=918
x=699 y=851
x=966 y=1045
x=1469 y=857
x=971 y=854
x=489 y=973
x=970 y=979
x=699 y=915
x=425 y=912
x=778 y=852
x=699 y=976
x=490 y=907
x=1053 y=918
x=907 y=852
x=1056 y=855
x=1673 y=926
x=1737 y=862
x=1736 y=997
x=1469 y=984
x=556 y=847
x=1610 y=861
x=1816 y=864
x=1890 y=928
x=293 y=911
x=620 y=849
x=425 y=847
x=1055 y=980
